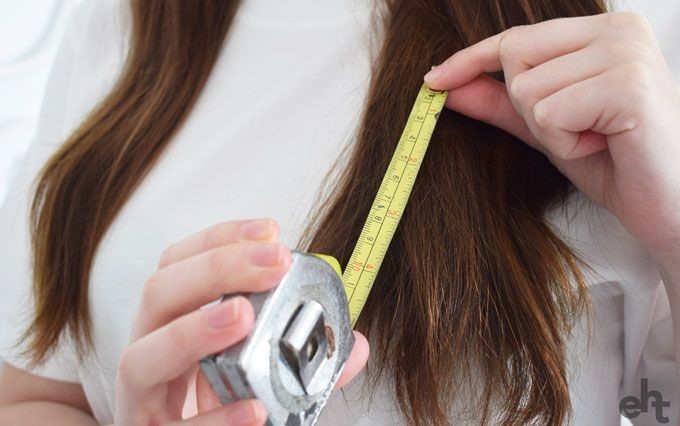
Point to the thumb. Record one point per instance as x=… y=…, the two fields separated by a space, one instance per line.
x=356 y=362
x=487 y=100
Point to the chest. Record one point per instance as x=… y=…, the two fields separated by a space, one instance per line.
x=278 y=109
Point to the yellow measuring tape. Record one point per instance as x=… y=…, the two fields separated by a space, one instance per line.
x=390 y=202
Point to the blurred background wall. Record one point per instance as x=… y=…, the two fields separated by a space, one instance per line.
x=29 y=33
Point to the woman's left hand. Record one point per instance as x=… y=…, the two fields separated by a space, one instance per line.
x=595 y=95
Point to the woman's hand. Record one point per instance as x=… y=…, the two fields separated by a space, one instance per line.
x=595 y=95
x=170 y=334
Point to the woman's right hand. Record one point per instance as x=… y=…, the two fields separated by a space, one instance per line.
x=170 y=334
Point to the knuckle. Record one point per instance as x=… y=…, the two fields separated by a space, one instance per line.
x=510 y=43
x=149 y=289
x=178 y=338
x=266 y=279
x=246 y=315
x=166 y=255
x=637 y=71
x=630 y=22
x=215 y=235
x=541 y=115
x=519 y=87
x=638 y=97
x=636 y=81
x=218 y=262
x=125 y=369
x=622 y=51
x=638 y=23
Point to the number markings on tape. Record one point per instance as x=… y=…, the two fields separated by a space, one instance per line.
x=390 y=202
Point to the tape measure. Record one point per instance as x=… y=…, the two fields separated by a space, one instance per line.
x=302 y=338
x=390 y=202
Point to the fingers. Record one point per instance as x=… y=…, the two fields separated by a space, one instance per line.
x=535 y=84
x=515 y=50
x=588 y=143
x=207 y=400
x=191 y=283
x=247 y=412
x=588 y=104
x=559 y=123
x=356 y=362
x=554 y=73
x=537 y=60
x=545 y=106
x=576 y=119
x=531 y=91
x=487 y=100
x=221 y=235
x=168 y=352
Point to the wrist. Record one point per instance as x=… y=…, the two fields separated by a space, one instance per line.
x=668 y=262
x=664 y=245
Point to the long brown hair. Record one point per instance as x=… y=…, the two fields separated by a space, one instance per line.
x=477 y=291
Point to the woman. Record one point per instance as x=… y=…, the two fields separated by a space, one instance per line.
x=505 y=297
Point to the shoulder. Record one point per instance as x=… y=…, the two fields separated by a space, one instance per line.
x=102 y=26
x=610 y=252
x=94 y=47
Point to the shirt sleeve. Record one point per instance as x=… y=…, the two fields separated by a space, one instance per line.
x=622 y=352
x=650 y=383
x=64 y=105
x=650 y=380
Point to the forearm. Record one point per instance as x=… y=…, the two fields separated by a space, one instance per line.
x=43 y=412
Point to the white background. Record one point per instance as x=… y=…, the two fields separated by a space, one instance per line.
x=29 y=33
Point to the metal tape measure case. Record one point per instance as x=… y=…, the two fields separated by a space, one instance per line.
x=297 y=349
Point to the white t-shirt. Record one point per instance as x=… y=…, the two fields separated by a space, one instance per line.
x=304 y=66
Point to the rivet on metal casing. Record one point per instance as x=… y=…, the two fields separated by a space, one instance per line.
x=304 y=345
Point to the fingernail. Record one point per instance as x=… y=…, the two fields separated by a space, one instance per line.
x=434 y=73
x=246 y=412
x=224 y=314
x=265 y=254
x=256 y=229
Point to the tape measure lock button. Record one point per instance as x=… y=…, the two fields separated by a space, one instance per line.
x=305 y=346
